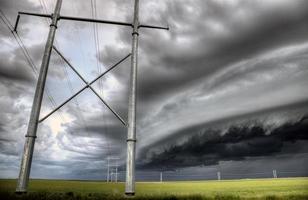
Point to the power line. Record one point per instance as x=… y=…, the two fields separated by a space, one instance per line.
x=66 y=75
x=28 y=58
x=96 y=41
x=25 y=52
x=97 y=49
x=9 y=26
x=44 y=8
x=68 y=81
x=79 y=38
x=84 y=64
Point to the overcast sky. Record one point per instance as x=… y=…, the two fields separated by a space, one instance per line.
x=224 y=89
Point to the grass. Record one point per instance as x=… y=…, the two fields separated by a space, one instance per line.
x=282 y=188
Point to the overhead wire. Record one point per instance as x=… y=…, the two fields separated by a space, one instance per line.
x=67 y=77
x=98 y=65
x=96 y=42
x=33 y=66
x=83 y=59
x=43 y=5
x=26 y=53
x=79 y=38
x=97 y=47
x=30 y=62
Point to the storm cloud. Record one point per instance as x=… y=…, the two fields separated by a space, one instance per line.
x=209 y=147
x=226 y=83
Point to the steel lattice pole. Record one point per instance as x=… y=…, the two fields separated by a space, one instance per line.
x=25 y=167
x=131 y=129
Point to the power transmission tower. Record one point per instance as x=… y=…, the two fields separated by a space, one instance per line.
x=218 y=176
x=111 y=167
x=36 y=106
x=116 y=173
x=274 y=173
x=107 y=169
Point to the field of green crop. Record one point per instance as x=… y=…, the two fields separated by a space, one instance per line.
x=282 y=188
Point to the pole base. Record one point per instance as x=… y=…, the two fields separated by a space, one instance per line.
x=20 y=192
x=130 y=194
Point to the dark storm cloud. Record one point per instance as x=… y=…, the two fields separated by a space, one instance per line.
x=14 y=69
x=8 y=148
x=84 y=153
x=11 y=8
x=15 y=66
x=17 y=83
x=236 y=47
x=266 y=118
x=113 y=132
x=106 y=133
x=212 y=146
x=171 y=65
x=11 y=119
x=248 y=29
x=211 y=38
x=111 y=56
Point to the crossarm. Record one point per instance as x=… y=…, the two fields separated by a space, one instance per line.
x=86 y=20
x=95 y=20
x=29 y=13
x=154 y=27
x=35 y=14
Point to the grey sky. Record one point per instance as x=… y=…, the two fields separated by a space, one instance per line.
x=222 y=64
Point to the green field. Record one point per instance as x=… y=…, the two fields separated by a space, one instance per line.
x=282 y=188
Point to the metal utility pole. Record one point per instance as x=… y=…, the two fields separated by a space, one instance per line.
x=36 y=106
x=108 y=169
x=34 y=118
x=131 y=128
x=131 y=125
x=274 y=173
x=218 y=176
x=116 y=172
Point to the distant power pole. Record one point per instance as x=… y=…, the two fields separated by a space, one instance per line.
x=116 y=172
x=36 y=106
x=274 y=173
x=108 y=169
x=161 y=177
x=218 y=176
x=112 y=169
x=111 y=176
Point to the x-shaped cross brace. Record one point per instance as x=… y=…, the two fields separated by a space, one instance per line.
x=88 y=85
